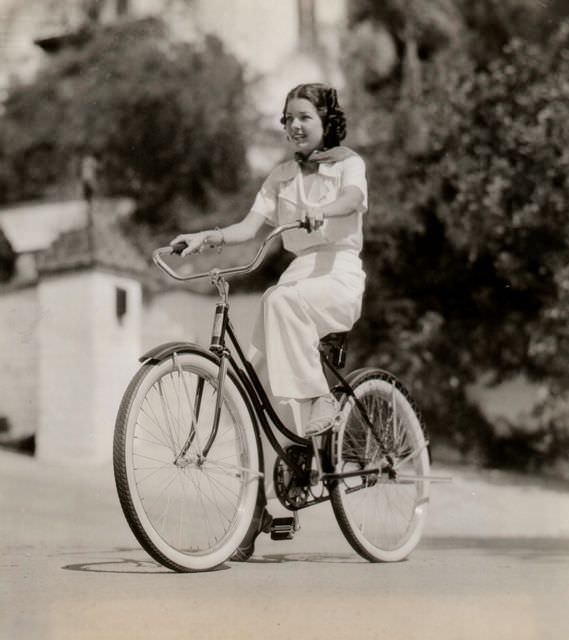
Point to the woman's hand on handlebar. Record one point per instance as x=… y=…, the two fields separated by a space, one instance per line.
x=313 y=218
x=196 y=242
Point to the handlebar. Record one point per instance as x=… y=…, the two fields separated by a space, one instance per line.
x=230 y=271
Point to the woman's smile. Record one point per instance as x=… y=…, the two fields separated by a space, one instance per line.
x=303 y=125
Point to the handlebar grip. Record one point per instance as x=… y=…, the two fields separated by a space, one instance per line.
x=178 y=248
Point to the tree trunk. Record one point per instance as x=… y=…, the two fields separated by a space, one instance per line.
x=414 y=129
x=123 y=7
x=307 y=32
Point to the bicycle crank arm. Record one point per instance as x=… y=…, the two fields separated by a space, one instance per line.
x=398 y=479
x=350 y=474
x=437 y=479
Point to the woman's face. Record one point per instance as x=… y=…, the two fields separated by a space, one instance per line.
x=303 y=125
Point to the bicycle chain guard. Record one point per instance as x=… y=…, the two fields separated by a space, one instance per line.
x=296 y=490
x=292 y=489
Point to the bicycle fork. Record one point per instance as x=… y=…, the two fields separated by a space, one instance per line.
x=217 y=346
x=195 y=407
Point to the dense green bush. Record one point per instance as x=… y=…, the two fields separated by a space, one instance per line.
x=468 y=238
x=165 y=119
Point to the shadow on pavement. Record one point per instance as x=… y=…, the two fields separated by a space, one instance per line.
x=133 y=565
x=550 y=549
x=326 y=558
x=125 y=566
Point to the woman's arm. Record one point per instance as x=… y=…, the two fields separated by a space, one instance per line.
x=349 y=200
x=236 y=233
x=245 y=230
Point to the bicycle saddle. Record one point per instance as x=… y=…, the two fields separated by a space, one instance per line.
x=334 y=346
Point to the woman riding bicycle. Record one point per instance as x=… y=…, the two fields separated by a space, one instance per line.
x=321 y=290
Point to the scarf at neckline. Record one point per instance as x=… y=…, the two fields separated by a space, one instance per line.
x=335 y=154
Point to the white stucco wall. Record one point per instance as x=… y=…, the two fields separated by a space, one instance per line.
x=187 y=316
x=86 y=358
x=19 y=319
x=67 y=359
x=117 y=346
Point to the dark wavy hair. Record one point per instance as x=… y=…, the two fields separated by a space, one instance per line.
x=325 y=100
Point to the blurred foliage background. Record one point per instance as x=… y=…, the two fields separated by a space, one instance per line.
x=164 y=118
x=466 y=141
x=461 y=110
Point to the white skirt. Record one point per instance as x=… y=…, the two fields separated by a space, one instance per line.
x=319 y=293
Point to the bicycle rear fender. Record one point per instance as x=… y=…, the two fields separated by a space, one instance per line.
x=163 y=351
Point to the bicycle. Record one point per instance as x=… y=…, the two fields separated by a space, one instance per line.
x=188 y=461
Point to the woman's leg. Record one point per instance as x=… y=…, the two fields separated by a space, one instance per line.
x=292 y=413
x=291 y=340
x=295 y=317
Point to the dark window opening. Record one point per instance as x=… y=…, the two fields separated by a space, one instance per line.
x=121 y=303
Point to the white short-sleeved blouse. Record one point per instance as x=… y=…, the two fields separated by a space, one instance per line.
x=279 y=201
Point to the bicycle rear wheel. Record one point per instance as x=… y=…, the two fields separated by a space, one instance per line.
x=381 y=511
x=188 y=510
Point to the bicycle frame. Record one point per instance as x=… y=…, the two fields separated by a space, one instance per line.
x=263 y=408
x=265 y=413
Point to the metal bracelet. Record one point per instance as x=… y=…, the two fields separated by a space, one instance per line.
x=218 y=247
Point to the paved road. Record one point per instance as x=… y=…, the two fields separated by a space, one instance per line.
x=494 y=564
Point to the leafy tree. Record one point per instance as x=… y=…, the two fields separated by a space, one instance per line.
x=467 y=243
x=492 y=24
x=420 y=31
x=165 y=119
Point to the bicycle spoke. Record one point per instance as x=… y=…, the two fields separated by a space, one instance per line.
x=215 y=491
x=192 y=411
x=412 y=455
x=152 y=458
x=379 y=512
x=146 y=411
x=149 y=507
x=234 y=467
x=229 y=493
x=148 y=476
x=167 y=416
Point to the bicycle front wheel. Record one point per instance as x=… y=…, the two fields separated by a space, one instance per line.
x=188 y=490
x=380 y=503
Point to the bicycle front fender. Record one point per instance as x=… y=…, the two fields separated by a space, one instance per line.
x=163 y=351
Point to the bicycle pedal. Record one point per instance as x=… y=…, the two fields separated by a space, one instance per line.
x=283 y=528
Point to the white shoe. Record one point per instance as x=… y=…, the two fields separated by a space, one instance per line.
x=323 y=415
